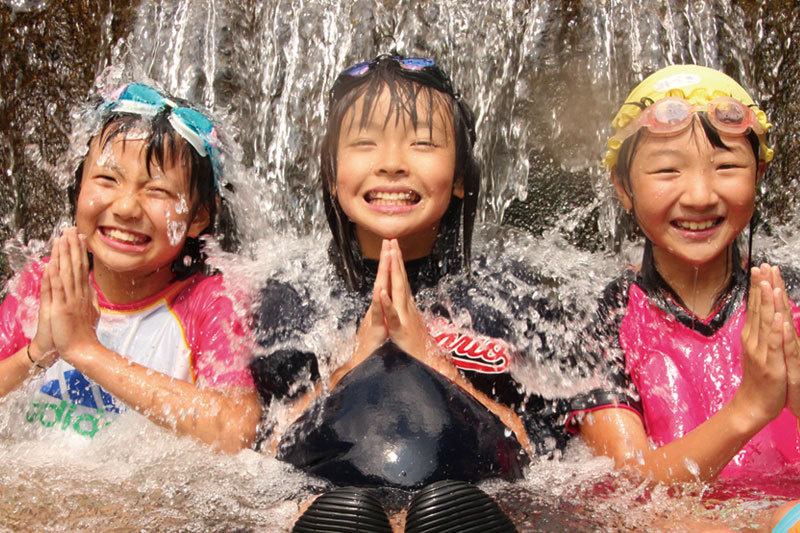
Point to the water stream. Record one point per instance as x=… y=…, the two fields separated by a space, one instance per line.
x=543 y=78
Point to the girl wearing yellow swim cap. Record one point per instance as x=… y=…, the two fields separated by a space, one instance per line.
x=704 y=363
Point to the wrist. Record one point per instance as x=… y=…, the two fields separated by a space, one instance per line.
x=36 y=357
x=744 y=418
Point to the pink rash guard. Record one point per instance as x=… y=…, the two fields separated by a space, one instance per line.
x=188 y=331
x=685 y=377
x=684 y=370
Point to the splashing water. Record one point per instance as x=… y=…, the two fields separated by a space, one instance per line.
x=544 y=79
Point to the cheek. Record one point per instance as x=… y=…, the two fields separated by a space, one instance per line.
x=171 y=218
x=89 y=205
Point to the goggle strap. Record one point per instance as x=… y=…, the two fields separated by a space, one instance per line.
x=188 y=134
x=135 y=108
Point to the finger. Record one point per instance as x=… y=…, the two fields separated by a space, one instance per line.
x=390 y=315
x=399 y=281
x=56 y=286
x=84 y=278
x=382 y=280
x=76 y=262
x=55 y=252
x=791 y=350
x=780 y=284
x=396 y=246
x=45 y=293
x=775 y=356
x=760 y=334
x=753 y=306
x=65 y=267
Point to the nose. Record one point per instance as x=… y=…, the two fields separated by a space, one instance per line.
x=126 y=205
x=392 y=161
x=699 y=192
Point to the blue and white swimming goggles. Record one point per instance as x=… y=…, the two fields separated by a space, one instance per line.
x=193 y=126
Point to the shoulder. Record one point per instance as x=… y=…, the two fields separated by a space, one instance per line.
x=200 y=292
x=616 y=291
x=202 y=299
x=281 y=309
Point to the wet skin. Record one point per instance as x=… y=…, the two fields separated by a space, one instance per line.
x=135 y=223
x=395 y=181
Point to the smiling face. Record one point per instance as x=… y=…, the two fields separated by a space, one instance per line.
x=395 y=180
x=135 y=222
x=690 y=197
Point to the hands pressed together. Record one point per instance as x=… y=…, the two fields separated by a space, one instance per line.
x=393 y=315
x=68 y=311
x=771 y=349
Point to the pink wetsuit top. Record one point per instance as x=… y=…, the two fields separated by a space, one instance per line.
x=685 y=377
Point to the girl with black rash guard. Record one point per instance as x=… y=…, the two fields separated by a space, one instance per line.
x=424 y=392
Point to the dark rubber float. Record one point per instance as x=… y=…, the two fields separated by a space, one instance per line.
x=394 y=422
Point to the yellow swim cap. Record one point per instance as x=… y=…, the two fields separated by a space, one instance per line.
x=696 y=84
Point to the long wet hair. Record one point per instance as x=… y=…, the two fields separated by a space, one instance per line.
x=407 y=89
x=650 y=275
x=164 y=146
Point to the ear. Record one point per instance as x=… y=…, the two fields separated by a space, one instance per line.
x=622 y=194
x=199 y=222
x=458 y=187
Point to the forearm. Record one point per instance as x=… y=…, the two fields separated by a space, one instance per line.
x=699 y=455
x=226 y=421
x=710 y=447
x=511 y=419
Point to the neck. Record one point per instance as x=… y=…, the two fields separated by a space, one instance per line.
x=125 y=287
x=698 y=286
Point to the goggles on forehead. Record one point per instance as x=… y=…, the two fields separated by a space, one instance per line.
x=422 y=69
x=194 y=127
x=674 y=115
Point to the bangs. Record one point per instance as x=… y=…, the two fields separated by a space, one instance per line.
x=408 y=100
x=164 y=147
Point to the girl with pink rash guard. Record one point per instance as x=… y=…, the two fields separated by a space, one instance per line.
x=121 y=315
x=703 y=364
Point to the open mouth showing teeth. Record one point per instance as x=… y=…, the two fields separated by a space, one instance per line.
x=125 y=236
x=392 y=198
x=696 y=226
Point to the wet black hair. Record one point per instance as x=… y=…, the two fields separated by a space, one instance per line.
x=454 y=240
x=164 y=145
x=650 y=275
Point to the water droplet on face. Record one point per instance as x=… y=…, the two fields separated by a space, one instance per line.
x=175 y=232
x=181 y=207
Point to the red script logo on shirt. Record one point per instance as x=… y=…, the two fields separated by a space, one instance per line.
x=470 y=351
